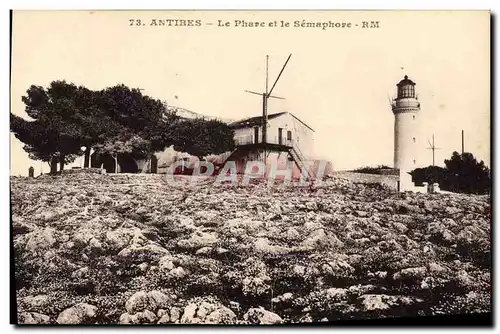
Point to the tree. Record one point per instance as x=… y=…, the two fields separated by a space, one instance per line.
x=116 y=120
x=200 y=137
x=53 y=135
x=468 y=175
x=139 y=124
x=462 y=174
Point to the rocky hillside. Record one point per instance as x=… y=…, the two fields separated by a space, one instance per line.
x=136 y=249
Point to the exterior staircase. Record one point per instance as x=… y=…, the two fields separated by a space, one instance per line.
x=300 y=160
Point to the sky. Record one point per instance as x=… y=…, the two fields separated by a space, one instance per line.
x=338 y=81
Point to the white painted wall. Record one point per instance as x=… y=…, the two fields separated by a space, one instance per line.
x=246 y=135
x=405 y=140
x=302 y=136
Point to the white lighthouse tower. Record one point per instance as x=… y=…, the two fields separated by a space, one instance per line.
x=405 y=108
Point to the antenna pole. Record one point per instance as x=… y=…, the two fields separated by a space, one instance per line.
x=267 y=73
x=264 y=106
x=433 y=150
x=462 y=142
x=279 y=75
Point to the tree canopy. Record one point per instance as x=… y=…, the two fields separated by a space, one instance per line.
x=115 y=120
x=463 y=173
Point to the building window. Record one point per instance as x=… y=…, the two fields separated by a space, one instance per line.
x=414 y=161
x=289 y=135
x=413 y=117
x=414 y=140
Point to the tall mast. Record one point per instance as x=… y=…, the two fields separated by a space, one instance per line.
x=462 y=141
x=433 y=148
x=264 y=105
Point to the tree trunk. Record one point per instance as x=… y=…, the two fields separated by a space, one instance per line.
x=86 y=162
x=61 y=163
x=116 y=163
x=53 y=166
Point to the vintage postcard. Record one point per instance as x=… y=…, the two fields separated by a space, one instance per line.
x=250 y=167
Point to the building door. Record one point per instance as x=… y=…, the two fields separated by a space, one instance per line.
x=256 y=134
x=280 y=136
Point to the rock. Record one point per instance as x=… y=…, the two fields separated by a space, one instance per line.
x=337 y=268
x=145 y=317
x=373 y=302
x=80 y=273
x=126 y=319
x=137 y=302
x=148 y=253
x=165 y=319
x=335 y=294
x=400 y=227
x=361 y=289
x=33 y=318
x=284 y=298
x=361 y=214
x=151 y=301
x=436 y=268
x=319 y=238
x=37 y=302
x=178 y=272
x=166 y=263
x=410 y=273
x=199 y=239
x=158 y=300
x=262 y=316
x=82 y=237
x=292 y=233
x=95 y=244
x=263 y=246
x=452 y=211
x=188 y=317
x=40 y=240
x=79 y=314
x=119 y=238
x=299 y=270
x=311 y=226
x=204 y=251
x=143 y=267
x=464 y=280
x=175 y=314
x=222 y=315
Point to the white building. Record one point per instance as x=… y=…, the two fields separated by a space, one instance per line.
x=288 y=140
x=406 y=108
x=283 y=128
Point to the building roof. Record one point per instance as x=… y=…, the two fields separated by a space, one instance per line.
x=254 y=121
x=406 y=81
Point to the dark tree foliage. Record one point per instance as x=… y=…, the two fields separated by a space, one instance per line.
x=371 y=170
x=463 y=173
x=200 y=137
x=115 y=120
x=55 y=132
